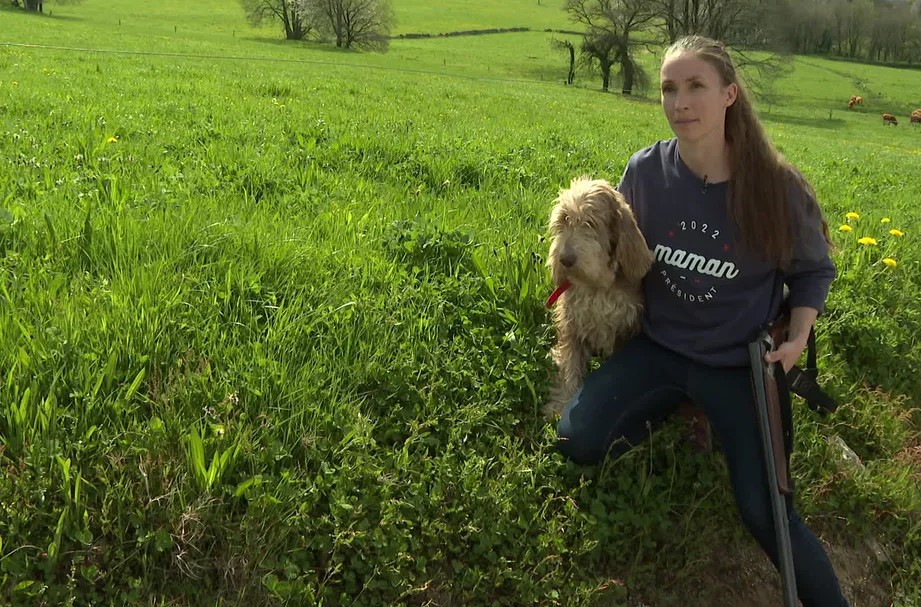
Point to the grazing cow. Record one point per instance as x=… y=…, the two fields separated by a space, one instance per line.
x=915 y=117
x=850 y=104
x=890 y=119
x=858 y=100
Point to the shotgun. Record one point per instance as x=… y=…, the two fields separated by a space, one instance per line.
x=772 y=399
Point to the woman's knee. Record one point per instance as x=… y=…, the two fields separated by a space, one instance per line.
x=580 y=453
x=758 y=518
x=579 y=442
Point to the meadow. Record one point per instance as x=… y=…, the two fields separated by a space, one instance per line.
x=272 y=324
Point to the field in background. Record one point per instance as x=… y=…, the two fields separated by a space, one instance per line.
x=457 y=15
x=219 y=29
x=274 y=330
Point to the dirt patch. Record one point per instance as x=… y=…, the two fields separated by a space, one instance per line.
x=742 y=576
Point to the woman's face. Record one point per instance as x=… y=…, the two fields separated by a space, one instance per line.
x=694 y=98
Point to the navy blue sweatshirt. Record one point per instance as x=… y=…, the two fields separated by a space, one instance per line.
x=704 y=298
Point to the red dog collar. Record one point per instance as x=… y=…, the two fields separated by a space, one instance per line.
x=557 y=292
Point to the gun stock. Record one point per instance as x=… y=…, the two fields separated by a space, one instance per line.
x=775 y=425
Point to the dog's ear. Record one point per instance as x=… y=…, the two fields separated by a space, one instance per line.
x=628 y=247
x=554 y=227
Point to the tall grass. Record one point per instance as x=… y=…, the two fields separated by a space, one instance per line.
x=274 y=331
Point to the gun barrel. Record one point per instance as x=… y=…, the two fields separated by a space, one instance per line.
x=760 y=376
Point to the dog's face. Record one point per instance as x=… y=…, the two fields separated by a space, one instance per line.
x=594 y=236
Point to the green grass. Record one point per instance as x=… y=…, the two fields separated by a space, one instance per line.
x=283 y=340
x=419 y=16
x=831 y=84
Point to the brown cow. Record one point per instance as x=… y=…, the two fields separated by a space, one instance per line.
x=858 y=100
x=915 y=117
x=853 y=98
x=889 y=118
x=850 y=104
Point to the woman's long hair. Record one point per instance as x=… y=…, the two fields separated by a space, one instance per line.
x=761 y=180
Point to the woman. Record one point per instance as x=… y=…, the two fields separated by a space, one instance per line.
x=729 y=222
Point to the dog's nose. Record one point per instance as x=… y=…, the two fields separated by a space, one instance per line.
x=568 y=258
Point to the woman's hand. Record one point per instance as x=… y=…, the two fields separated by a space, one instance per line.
x=787 y=354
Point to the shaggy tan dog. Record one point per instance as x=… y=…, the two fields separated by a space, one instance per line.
x=598 y=257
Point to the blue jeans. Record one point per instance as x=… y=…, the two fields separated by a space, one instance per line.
x=644 y=382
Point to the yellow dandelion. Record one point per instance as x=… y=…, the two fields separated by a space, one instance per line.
x=866 y=240
x=852 y=215
x=890 y=262
x=885 y=220
x=846 y=228
x=897 y=233
x=112 y=139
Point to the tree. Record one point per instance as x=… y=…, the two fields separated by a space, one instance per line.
x=286 y=11
x=735 y=22
x=852 y=19
x=608 y=42
x=743 y=25
x=912 y=50
x=810 y=27
x=890 y=32
x=37 y=5
x=761 y=72
x=359 y=23
x=558 y=43
x=601 y=47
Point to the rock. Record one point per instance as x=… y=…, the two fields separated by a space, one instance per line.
x=848 y=456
